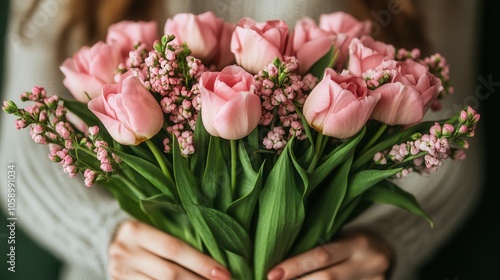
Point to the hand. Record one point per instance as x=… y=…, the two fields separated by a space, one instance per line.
x=359 y=255
x=139 y=251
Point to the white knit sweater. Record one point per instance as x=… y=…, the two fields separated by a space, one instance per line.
x=75 y=223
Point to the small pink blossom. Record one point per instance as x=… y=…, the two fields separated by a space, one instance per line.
x=93 y=130
x=106 y=167
x=89 y=177
x=20 y=124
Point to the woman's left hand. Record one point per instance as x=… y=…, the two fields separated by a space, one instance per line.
x=360 y=255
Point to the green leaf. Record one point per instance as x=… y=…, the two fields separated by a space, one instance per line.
x=145 y=186
x=127 y=199
x=281 y=214
x=191 y=198
x=389 y=193
x=216 y=182
x=321 y=217
x=327 y=61
x=240 y=267
x=171 y=218
x=82 y=111
x=344 y=215
x=334 y=159
x=248 y=190
x=201 y=140
x=253 y=144
x=228 y=233
x=365 y=179
x=304 y=176
x=308 y=155
x=142 y=153
x=151 y=172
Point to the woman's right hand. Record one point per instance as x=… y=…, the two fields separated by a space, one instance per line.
x=139 y=251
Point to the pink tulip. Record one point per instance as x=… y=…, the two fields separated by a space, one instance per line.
x=387 y=50
x=256 y=45
x=207 y=36
x=124 y=34
x=346 y=27
x=128 y=111
x=89 y=69
x=339 y=106
x=310 y=43
x=229 y=107
x=344 y=23
x=362 y=58
x=408 y=96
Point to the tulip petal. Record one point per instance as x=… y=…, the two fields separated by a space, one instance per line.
x=349 y=120
x=398 y=104
x=130 y=109
x=238 y=117
x=116 y=129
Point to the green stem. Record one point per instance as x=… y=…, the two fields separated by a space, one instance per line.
x=157 y=154
x=318 y=150
x=375 y=137
x=234 y=157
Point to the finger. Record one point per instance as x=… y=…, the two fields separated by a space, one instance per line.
x=349 y=270
x=156 y=267
x=171 y=248
x=131 y=276
x=378 y=277
x=342 y=271
x=317 y=258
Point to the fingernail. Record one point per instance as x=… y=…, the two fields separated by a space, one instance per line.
x=276 y=274
x=220 y=274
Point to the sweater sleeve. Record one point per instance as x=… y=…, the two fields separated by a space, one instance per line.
x=449 y=195
x=75 y=223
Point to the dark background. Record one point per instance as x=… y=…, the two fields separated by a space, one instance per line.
x=472 y=253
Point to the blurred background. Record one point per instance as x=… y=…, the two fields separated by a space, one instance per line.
x=472 y=253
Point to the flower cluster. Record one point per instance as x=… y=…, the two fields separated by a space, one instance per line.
x=172 y=74
x=281 y=92
x=67 y=136
x=426 y=152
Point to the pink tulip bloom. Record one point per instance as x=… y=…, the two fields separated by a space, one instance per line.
x=310 y=43
x=346 y=27
x=408 y=96
x=207 y=36
x=362 y=58
x=229 y=107
x=89 y=69
x=344 y=23
x=256 y=45
x=387 y=50
x=128 y=111
x=124 y=34
x=339 y=106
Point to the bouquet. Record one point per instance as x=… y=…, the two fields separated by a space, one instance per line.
x=250 y=142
